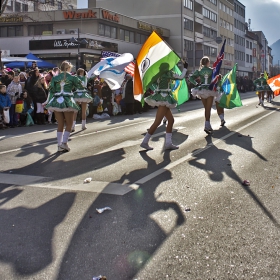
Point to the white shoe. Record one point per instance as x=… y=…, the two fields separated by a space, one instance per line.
x=65 y=147
x=84 y=127
x=59 y=149
x=171 y=146
x=146 y=146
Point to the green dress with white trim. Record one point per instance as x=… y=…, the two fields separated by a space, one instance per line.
x=162 y=95
x=82 y=95
x=261 y=84
x=60 y=97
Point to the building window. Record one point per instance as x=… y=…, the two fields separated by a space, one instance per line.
x=51 y=2
x=108 y=31
x=143 y=38
x=251 y=60
x=39 y=29
x=128 y=36
x=11 y=31
x=247 y=57
x=188 y=24
x=188 y=4
x=210 y=15
x=250 y=45
x=59 y=5
x=209 y=51
x=188 y=45
x=24 y=7
x=9 y=6
x=213 y=2
x=17 y=7
x=137 y=38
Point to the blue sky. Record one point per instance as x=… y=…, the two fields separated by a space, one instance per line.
x=265 y=17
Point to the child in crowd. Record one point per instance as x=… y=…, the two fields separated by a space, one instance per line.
x=5 y=104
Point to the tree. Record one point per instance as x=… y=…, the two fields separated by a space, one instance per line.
x=3 y=6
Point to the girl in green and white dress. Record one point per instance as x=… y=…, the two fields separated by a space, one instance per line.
x=202 y=91
x=82 y=97
x=61 y=102
x=163 y=99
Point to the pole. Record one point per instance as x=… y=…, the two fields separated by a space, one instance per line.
x=1 y=64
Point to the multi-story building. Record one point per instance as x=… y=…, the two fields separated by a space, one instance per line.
x=50 y=35
x=226 y=26
x=239 y=38
x=251 y=54
x=193 y=24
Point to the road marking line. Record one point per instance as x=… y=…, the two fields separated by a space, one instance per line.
x=40 y=182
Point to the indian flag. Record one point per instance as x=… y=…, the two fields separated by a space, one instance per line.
x=154 y=58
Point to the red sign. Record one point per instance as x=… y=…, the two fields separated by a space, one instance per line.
x=254 y=52
x=75 y=15
x=109 y=16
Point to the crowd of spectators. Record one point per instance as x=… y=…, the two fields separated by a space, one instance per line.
x=23 y=94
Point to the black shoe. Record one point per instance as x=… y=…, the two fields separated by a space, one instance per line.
x=208 y=131
x=222 y=123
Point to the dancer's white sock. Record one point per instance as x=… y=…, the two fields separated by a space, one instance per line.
x=59 y=137
x=65 y=136
x=83 y=123
x=168 y=138
x=147 y=138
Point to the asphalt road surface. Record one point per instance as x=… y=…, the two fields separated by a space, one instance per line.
x=181 y=214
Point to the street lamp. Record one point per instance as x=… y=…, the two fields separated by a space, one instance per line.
x=78 y=42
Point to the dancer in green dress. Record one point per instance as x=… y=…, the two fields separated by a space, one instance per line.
x=201 y=79
x=82 y=97
x=62 y=103
x=261 y=88
x=163 y=99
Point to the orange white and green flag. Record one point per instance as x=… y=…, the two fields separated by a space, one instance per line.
x=274 y=84
x=154 y=54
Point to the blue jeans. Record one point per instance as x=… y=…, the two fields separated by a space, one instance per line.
x=13 y=115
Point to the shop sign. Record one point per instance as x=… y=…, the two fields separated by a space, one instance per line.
x=148 y=27
x=11 y=19
x=107 y=15
x=254 y=52
x=66 y=44
x=76 y=15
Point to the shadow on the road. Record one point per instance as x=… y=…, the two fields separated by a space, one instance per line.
x=120 y=242
x=5 y=196
x=238 y=139
x=27 y=234
x=217 y=163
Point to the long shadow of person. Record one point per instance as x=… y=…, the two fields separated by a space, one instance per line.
x=27 y=234
x=216 y=165
x=119 y=243
x=238 y=139
x=5 y=196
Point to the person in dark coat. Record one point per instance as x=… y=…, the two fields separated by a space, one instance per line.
x=129 y=96
x=40 y=94
x=106 y=96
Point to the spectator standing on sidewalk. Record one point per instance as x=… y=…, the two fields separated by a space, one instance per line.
x=5 y=103
x=14 y=91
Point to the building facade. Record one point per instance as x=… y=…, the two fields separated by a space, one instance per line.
x=50 y=35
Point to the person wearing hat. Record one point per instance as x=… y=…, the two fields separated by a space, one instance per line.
x=261 y=88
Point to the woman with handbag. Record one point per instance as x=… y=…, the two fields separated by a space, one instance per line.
x=61 y=101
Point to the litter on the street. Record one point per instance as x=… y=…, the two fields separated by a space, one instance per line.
x=99 y=278
x=246 y=183
x=101 y=210
x=88 y=180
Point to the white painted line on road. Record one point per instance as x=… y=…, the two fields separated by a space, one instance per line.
x=71 y=136
x=189 y=156
x=17 y=179
x=93 y=186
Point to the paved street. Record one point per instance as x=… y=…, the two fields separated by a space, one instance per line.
x=181 y=214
